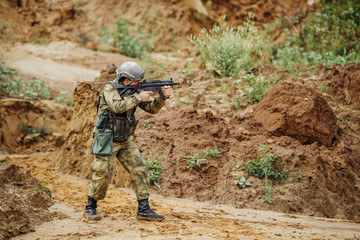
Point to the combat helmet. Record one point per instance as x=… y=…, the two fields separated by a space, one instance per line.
x=131 y=71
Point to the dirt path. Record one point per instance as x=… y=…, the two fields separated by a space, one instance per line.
x=62 y=65
x=185 y=219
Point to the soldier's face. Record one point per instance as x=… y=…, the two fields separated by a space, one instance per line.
x=135 y=82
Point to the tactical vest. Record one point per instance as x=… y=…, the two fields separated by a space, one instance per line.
x=123 y=125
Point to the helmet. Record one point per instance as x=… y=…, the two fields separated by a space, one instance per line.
x=131 y=71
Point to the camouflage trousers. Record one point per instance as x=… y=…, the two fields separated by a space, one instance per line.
x=130 y=157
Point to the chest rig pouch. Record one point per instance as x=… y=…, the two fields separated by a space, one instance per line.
x=124 y=128
x=122 y=125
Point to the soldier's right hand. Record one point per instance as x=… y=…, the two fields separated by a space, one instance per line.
x=145 y=95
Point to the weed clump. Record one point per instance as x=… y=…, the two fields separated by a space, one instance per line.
x=125 y=40
x=11 y=85
x=231 y=50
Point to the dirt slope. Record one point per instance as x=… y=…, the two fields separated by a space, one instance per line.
x=329 y=164
x=170 y=22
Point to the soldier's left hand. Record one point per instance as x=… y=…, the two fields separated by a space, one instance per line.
x=167 y=91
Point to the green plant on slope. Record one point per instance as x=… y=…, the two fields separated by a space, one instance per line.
x=211 y=153
x=125 y=39
x=155 y=172
x=196 y=161
x=229 y=49
x=329 y=36
x=241 y=182
x=13 y=86
x=255 y=87
x=264 y=168
x=154 y=169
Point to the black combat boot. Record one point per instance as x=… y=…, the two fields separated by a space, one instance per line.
x=146 y=213
x=90 y=210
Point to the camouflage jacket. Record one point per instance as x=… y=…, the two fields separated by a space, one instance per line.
x=110 y=100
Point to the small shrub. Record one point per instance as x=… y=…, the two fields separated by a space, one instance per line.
x=154 y=169
x=147 y=124
x=264 y=166
x=328 y=36
x=125 y=39
x=211 y=154
x=155 y=172
x=45 y=189
x=241 y=182
x=254 y=86
x=196 y=161
x=267 y=194
x=230 y=50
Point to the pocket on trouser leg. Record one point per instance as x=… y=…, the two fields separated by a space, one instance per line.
x=100 y=178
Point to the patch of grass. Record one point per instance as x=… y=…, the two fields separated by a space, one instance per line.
x=264 y=166
x=255 y=87
x=153 y=68
x=4 y=162
x=127 y=39
x=238 y=102
x=327 y=36
x=322 y=88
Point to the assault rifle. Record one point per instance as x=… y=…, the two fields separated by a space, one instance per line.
x=154 y=86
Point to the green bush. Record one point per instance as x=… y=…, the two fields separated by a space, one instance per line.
x=329 y=36
x=334 y=29
x=264 y=166
x=124 y=39
x=255 y=87
x=231 y=50
x=155 y=172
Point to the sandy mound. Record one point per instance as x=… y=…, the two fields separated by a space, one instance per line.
x=298 y=111
x=18 y=114
x=24 y=202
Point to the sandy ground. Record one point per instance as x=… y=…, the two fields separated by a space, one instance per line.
x=184 y=218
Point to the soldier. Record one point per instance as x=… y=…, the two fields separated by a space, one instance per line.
x=116 y=122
